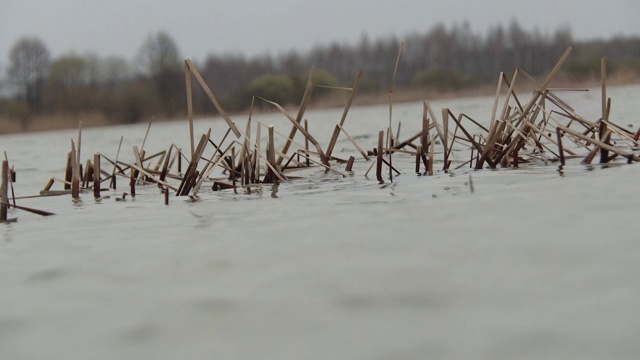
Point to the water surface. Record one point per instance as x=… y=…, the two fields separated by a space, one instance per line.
x=530 y=265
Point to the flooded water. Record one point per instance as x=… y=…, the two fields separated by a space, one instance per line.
x=533 y=264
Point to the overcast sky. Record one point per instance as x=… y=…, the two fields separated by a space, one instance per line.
x=201 y=27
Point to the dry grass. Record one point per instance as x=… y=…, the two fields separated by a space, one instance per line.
x=54 y=122
x=9 y=125
x=419 y=94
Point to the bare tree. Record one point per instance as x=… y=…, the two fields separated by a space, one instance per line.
x=160 y=58
x=159 y=53
x=29 y=63
x=69 y=84
x=113 y=70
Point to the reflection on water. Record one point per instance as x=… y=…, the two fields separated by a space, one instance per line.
x=7 y=231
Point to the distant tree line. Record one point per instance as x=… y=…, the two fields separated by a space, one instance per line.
x=153 y=84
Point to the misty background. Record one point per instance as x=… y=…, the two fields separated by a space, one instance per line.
x=122 y=60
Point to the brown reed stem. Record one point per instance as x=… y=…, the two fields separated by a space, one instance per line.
x=68 y=174
x=11 y=179
x=192 y=69
x=560 y=149
x=75 y=170
x=418 y=158
x=132 y=184
x=3 y=191
x=96 y=175
x=336 y=133
x=379 y=157
x=350 y=163
x=306 y=140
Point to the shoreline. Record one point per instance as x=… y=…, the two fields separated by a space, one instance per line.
x=52 y=122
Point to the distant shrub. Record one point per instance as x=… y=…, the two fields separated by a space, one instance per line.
x=277 y=88
x=289 y=88
x=135 y=102
x=321 y=77
x=441 y=79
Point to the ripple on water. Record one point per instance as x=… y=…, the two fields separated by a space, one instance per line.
x=45 y=276
x=138 y=334
x=211 y=305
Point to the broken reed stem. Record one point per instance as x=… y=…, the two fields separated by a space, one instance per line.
x=78 y=158
x=138 y=158
x=271 y=149
x=75 y=170
x=379 y=157
x=391 y=89
x=146 y=134
x=296 y=124
x=192 y=69
x=431 y=152
x=560 y=149
x=3 y=191
x=68 y=174
x=495 y=101
x=132 y=184
x=308 y=90
x=271 y=157
x=389 y=136
x=165 y=166
x=336 y=133
x=390 y=130
x=390 y=167
x=604 y=135
x=191 y=173
x=187 y=78
x=11 y=180
x=599 y=143
x=206 y=174
x=350 y=163
x=233 y=168
x=248 y=168
x=49 y=185
x=257 y=151
x=88 y=173
x=115 y=165
x=603 y=78
x=445 y=140
x=418 y=158
x=424 y=135
x=306 y=141
x=354 y=142
x=604 y=154
x=96 y=175
x=245 y=152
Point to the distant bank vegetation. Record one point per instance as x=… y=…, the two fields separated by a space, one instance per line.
x=443 y=59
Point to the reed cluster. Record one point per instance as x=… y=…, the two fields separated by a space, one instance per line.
x=540 y=129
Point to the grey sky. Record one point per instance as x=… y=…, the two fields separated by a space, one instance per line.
x=200 y=27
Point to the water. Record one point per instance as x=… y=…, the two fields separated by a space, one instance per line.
x=530 y=265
